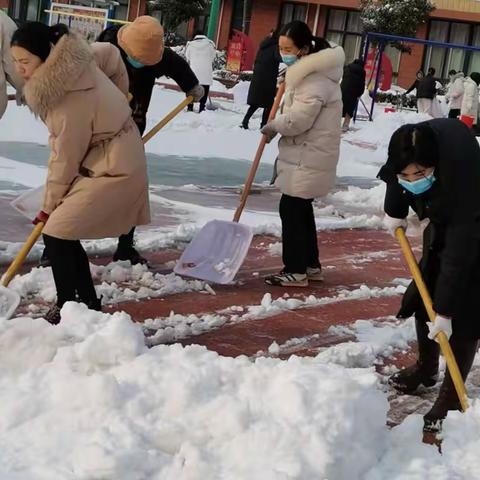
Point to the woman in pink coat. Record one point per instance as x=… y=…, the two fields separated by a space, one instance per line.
x=97 y=179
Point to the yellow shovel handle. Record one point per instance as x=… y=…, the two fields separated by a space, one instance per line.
x=167 y=118
x=427 y=301
x=22 y=254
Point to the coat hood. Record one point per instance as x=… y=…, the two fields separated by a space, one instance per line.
x=329 y=62
x=201 y=42
x=59 y=74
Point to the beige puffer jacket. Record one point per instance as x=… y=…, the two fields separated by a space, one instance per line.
x=310 y=125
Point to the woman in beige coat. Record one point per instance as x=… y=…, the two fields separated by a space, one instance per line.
x=97 y=180
x=309 y=148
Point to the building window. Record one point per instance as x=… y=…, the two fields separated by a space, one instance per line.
x=242 y=15
x=344 y=28
x=446 y=59
x=293 y=11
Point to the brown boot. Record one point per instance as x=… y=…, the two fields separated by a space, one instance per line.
x=464 y=352
x=425 y=370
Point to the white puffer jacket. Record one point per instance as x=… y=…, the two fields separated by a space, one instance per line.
x=455 y=91
x=7 y=69
x=470 y=100
x=200 y=54
x=310 y=125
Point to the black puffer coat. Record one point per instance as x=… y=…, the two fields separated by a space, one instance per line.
x=353 y=86
x=426 y=87
x=142 y=80
x=451 y=243
x=265 y=71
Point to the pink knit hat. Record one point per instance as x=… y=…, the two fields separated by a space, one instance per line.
x=142 y=40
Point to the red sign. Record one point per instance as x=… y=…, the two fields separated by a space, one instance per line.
x=240 y=53
x=386 y=72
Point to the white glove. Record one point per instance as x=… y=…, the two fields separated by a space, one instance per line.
x=441 y=324
x=391 y=224
x=269 y=131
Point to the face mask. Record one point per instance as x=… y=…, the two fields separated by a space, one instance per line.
x=134 y=63
x=418 y=186
x=289 y=59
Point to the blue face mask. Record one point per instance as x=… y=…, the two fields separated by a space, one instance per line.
x=134 y=63
x=418 y=186
x=289 y=59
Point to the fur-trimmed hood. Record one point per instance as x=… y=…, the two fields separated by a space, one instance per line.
x=329 y=62
x=62 y=72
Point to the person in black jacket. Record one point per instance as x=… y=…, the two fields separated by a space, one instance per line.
x=426 y=91
x=263 y=87
x=434 y=168
x=353 y=86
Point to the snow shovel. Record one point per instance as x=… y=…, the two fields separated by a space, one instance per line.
x=427 y=301
x=217 y=252
x=26 y=203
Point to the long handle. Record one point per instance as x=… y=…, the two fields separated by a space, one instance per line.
x=167 y=118
x=427 y=301
x=37 y=231
x=22 y=254
x=258 y=157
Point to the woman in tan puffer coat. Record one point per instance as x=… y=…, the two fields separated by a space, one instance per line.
x=309 y=147
x=97 y=179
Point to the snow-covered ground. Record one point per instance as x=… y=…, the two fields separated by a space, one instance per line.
x=87 y=400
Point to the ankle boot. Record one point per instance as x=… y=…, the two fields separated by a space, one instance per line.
x=425 y=370
x=464 y=352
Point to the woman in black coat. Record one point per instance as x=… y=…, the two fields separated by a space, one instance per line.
x=263 y=87
x=434 y=168
x=353 y=86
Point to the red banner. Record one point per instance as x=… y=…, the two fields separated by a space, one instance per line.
x=386 y=72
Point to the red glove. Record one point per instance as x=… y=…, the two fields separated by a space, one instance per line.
x=41 y=217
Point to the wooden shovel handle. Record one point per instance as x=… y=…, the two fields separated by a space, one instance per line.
x=258 y=156
x=167 y=118
x=427 y=301
x=22 y=254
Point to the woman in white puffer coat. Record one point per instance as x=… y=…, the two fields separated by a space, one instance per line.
x=309 y=147
x=470 y=97
x=455 y=93
x=200 y=54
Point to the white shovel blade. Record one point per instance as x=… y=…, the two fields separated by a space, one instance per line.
x=216 y=253
x=29 y=203
x=9 y=301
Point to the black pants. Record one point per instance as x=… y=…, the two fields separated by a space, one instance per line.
x=71 y=271
x=299 y=234
x=251 y=110
x=125 y=242
x=454 y=113
x=203 y=101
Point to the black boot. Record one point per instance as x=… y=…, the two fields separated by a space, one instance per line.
x=425 y=370
x=464 y=352
x=126 y=251
x=95 y=304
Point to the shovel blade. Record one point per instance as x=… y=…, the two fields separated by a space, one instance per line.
x=216 y=253
x=9 y=301
x=29 y=203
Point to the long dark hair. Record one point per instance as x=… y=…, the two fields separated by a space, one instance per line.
x=301 y=35
x=38 y=38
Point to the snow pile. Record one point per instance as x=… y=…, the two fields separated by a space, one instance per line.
x=374 y=339
x=89 y=401
x=119 y=282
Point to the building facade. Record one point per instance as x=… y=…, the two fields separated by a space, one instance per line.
x=453 y=21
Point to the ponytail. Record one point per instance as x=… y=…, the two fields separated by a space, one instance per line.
x=301 y=35
x=38 y=38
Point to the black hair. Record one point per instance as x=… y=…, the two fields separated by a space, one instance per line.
x=413 y=144
x=301 y=35
x=198 y=32
x=431 y=71
x=420 y=72
x=475 y=76
x=452 y=72
x=38 y=38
